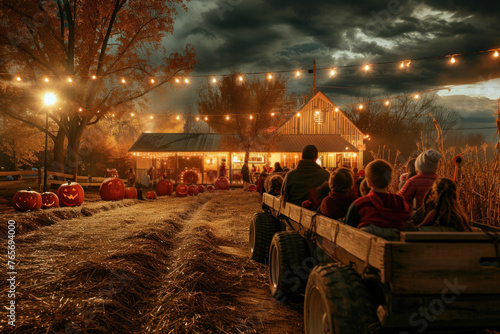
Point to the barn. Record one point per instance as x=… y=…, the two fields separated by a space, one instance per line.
x=318 y=122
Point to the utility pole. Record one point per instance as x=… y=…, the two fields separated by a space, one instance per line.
x=314 y=76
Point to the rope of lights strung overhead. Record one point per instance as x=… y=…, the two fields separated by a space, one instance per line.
x=184 y=79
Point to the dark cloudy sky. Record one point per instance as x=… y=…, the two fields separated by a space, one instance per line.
x=273 y=35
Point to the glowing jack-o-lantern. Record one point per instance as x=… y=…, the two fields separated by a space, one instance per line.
x=130 y=192
x=164 y=188
x=49 y=200
x=112 y=189
x=27 y=200
x=222 y=183
x=193 y=190
x=181 y=190
x=70 y=194
x=210 y=188
x=151 y=195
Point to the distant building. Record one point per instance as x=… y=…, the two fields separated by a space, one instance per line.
x=319 y=122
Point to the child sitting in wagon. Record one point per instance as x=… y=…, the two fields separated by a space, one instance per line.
x=380 y=212
x=441 y=210
x=342 y=194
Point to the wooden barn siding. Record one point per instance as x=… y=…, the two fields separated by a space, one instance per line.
x=334 y=122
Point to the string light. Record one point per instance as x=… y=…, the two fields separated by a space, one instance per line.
x=402 y=64
x=177 y=80
x=495 y=54
x=452 y=60
x=206 y=118
x=297 y=73
x=94 y=77
x=387 y=102
x=214 y=80
x=227 y=117
x=270 y=76
x=336 y=109
x=332 y=72
x=417 y=96
x=18 y=78
x=70 y=80
x=186 y=80
x=240 y=78
x=251 y=117
x=151 y=117
x=124 y=81
x=367 y=67
x=132 y=114
x=360 y=106
x=272 y=114
x=178 y=117
x=46 y=79
x=80 y=109
x=152 y=80
x=298 y=114
x=197 y=119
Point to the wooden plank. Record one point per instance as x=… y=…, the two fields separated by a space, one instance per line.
x=20 y=172
x=360 y=244
x=444 y=236
x=425 y=268
x=68 y=176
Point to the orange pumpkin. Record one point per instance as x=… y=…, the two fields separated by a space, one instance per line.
x=130 y=192
x=210 y=188
x=112 y=189
x=201 y=189
x=193 y=190
x=222 y=183
x=70 y=194
x=27 y=200
x=49 y=200
x=151 y=195
x=181 y=190
x=164 y=188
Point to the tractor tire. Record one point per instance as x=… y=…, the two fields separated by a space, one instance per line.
x=337 y=301
x=262 y=229
x=288 y=270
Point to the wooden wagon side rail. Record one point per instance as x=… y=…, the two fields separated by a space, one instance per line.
x=370 y=249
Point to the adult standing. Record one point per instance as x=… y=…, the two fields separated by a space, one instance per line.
x=131 y=177
x=245 y=172
x=308 y=175
x=222 y=170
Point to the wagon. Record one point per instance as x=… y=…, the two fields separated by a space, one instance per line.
x=356 y=282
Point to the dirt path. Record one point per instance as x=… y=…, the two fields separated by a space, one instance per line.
x=174 y=265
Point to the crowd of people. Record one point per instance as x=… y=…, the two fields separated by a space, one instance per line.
x=361 y=198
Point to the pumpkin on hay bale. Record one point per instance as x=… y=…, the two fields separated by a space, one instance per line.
x=49 y=200
x=210 y=188
x=181 y=190
x=201 y=189
x=112 y=189
x=70 y=194
x=164 y=188
x=222 y=183
x=193 y=190
x=27 y=200
x=151 y=195
x=130 y=192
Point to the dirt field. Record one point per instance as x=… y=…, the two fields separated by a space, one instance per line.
x=172 y=265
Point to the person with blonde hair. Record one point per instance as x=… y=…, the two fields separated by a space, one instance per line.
x=441 y=209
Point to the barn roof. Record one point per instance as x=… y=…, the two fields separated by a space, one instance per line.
x=211 y=142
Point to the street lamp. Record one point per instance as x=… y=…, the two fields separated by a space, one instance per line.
x=49 y=100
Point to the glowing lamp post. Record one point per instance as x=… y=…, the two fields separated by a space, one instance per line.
x=49 y=100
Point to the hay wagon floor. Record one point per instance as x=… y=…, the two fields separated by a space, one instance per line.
x=172 y=265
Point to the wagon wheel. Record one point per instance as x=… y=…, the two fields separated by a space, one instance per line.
x=288 y=270
x=338 y=302
x=262 y=229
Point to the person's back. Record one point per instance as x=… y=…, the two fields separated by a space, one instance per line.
x=379 y=212
x=342 y=194
x=417 y=186
x=307 y=175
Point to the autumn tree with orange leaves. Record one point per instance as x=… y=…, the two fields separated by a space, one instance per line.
x=95 y=55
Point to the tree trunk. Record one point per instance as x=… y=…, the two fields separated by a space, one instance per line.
x=58 y=162
x=14 y=154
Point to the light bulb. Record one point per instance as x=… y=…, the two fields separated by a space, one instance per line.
x=417 y=96
x=297 y=73
x=298 y=114
x=270 y=76
x=495 y=54
x=46 y=80
x=240 y=78
x=336 y=109
x=227 y=117
x=18 y=78
x=177 y=80
x=94 y=77
x=197 y=119
x=332 y=72
x=272 y=114
x=70 y=80
x=452 y=60
x=186 y=80
x=214 y=80
x=152 y=81
x=387 y=102
x=402 y=64
x=360 y=106
x=132 y=114
x=151 y=117
x=251 y=117
x=206 y=118
x=367 y=67
x=124 y=81
x=178 y=118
